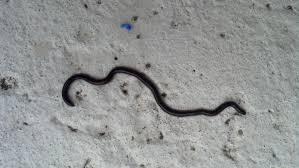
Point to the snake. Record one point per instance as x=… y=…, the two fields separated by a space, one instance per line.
x=152 y=87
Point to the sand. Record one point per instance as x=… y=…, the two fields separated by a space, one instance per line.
x=199 y=52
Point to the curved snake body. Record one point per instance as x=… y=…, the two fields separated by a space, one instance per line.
x=154 y=89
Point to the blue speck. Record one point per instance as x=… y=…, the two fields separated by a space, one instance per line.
x=126 y=26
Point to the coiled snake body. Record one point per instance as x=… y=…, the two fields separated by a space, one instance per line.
x=154 y=89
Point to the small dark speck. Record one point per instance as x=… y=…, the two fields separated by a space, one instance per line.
x=115 y=58
x=192 y=148
x=193 y=70
x=148 y=140
x=106 y=126
x=132 y=138
x=161 y=136
x=72 y=129
x=227 y=121
x=99 y=2
x=134 y=18
x=268 y=6
x=102 y=133
x=222 y=35
x=240 y=132
x=274 y=155
x=137 y=96
x=148 y=65
x=142 y=166
x=173 y=25
x=25 y=123
x=85 y=5
x=164 y=94
x=138 y=36
x=289 y=7
x=79 y=95
x=125 y=92
x=155 y=12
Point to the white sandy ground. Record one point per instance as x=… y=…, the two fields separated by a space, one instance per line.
x=202 y=52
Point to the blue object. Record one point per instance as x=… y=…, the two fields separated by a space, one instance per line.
x=126 y=26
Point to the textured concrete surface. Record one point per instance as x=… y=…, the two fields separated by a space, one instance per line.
x=199 y=52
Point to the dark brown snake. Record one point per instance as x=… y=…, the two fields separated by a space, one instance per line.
x=154 y=89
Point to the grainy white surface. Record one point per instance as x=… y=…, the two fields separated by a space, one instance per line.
x=202 y=52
